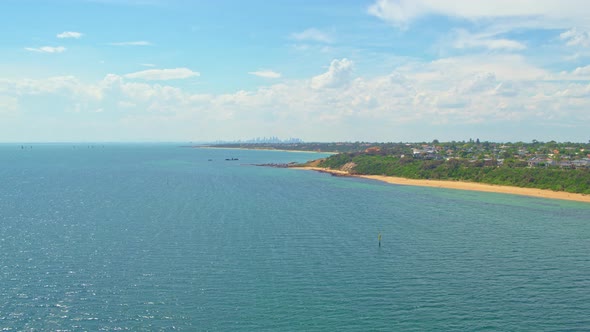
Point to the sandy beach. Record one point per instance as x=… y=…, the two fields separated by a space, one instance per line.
x=464 y=186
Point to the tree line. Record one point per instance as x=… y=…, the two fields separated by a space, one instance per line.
x=509 y=174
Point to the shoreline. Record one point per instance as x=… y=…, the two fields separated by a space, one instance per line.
x=262 y=149
x=461 y=185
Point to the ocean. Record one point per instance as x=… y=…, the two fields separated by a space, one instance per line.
x=159 y=237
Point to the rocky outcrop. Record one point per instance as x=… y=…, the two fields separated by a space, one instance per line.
x=348 y=167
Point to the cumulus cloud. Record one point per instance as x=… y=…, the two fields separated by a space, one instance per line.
x=457 y=91
x=575 y=91
x=46 y=49
x=312 y=34
x=575 y=37
x=399 y=13
x=582 y=71
x=503 y=66
x=69 y=34
x=265 y=74
x=132 y=43
x=338 y=75
x=163 y=74
x=478 y=83
x=578 y=74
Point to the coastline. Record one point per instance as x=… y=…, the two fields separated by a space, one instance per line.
x=261 y=149
x=473 y=186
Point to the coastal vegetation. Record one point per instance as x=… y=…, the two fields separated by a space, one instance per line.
x=550 y=165
x=510 y=174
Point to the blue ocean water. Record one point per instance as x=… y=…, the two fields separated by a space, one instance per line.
x=159 y=238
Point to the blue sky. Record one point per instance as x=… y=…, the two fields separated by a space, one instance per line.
x=375 y=70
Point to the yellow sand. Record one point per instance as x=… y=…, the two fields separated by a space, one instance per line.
x=465 y=186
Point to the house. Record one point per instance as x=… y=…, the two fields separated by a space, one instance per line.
x=539 y=161
x=374 y=149
x=581 y=163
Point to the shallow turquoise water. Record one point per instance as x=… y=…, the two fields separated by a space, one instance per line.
x=156 y=237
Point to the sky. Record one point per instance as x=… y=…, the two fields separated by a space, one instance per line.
x=322 y=70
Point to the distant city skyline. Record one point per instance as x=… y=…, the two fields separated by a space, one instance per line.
x=271 y=139
x=363 y=70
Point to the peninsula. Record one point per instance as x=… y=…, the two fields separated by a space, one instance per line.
x=542 y=169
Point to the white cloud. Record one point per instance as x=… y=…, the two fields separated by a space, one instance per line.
x=503 y=66
x=575 y=91
x=582 y=71
x=46 y=49
x=312 y=35
x=497 y=44
x=575 y=37
x=147 y=64
x=69 y=34
x=464 y=39
x=265 y=74
x=548 y=13
x=409 y=103
x=485 y=82
x=578 y=74
x=132 y=43
x=163 y=74
x=338 y=75
x=398 y=13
